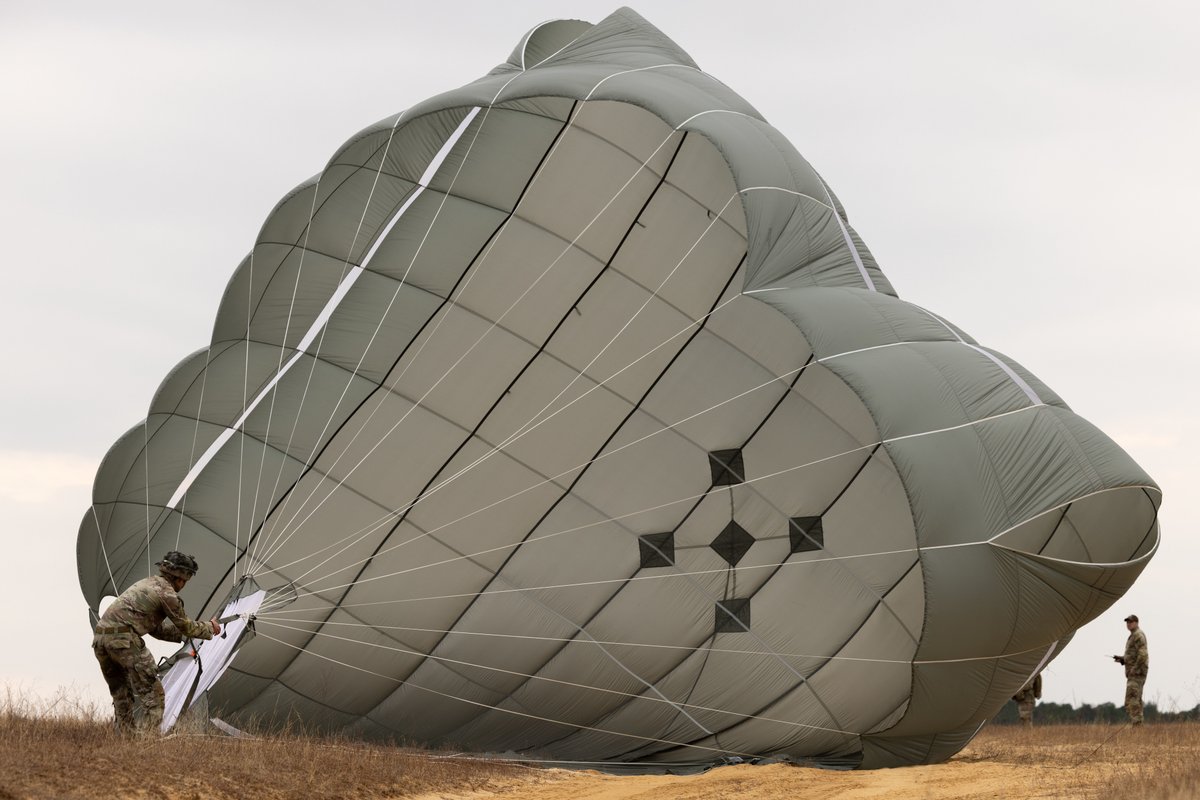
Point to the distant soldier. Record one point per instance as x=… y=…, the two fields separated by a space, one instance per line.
x=151 y=606
x=1029 y=694
x=1137 y=664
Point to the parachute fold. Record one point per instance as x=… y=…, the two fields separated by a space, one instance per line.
x=578 y=421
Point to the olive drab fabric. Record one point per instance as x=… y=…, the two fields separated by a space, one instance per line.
x=579 y=421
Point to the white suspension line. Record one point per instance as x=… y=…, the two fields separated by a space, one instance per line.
x=357 y=536
x=195 y=437
x=287 y=327
x=237 y=525
x=424 y=181
x=289 y=524
x=378 y=241
x=345 y=282
x=584 y=686
x=635 y=578
x=146 y=463
x=694 y=497
x=513 y=712
x=534 y=422
x=275 y=617
x=491 y=245
x=386 y=519
x=104 y=549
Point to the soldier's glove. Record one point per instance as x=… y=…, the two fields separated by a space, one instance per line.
x=1120 y=660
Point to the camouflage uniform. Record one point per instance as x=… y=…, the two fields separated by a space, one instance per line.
x=149 y=606
x=1029 y=694
x=1137 y=665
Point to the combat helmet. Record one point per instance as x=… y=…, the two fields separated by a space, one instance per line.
x=178 y=565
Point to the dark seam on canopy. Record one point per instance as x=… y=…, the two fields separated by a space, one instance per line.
x=748 y=718
x=284 y=495
x=1054 y=530
x=805 y=681
x=669 y=670
x=712 y=638
x=1153 y=524
x=253 y=307
x=501 y=396
x=550 y=336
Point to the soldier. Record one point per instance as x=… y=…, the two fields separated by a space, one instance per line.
x=1029 y=694
x=149 y=606
x=1137 y=664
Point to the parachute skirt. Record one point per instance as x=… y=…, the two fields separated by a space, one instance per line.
x=586 y=427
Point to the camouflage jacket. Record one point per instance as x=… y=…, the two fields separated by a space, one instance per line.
x=1137 y=657
x=151 y=606
x=1031 y=690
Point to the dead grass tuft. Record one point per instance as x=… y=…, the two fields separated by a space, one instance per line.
x=66 y=749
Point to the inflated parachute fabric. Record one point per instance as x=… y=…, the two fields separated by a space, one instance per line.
x=577 y=422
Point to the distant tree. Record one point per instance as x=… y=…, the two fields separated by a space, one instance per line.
x=1105 y=713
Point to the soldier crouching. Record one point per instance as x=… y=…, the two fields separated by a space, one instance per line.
x=150 y=606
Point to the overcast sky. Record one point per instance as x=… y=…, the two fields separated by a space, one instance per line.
x=1028 y=170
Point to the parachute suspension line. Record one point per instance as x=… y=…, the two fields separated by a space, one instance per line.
x=291 y=525
x=390 y=516
x=277 y=617
x=532 y=425
x=237 y=527
x=584 y=686
x=287 y=327
x=104 y=549
x=146 y=463
x=426 y=178
x=502 y=710
x=491 y=245
x=436 y=162
x=358 y=535
x=769 y=476
x=195 y=437
x=422 y=184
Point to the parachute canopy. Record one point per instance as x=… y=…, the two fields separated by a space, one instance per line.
x=572 y=418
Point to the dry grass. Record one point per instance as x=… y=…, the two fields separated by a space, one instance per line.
x=1098 y=761
x=63 y=750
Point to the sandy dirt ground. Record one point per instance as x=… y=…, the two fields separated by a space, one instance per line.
x=84 y=760
x=1061 y=762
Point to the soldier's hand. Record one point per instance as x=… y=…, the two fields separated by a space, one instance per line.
x=216 y=626
x=1119 y=659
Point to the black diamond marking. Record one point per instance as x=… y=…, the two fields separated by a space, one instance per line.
x=657 y=549
x=732 y=543
x=727 y=468
x=806 y=534
x=733 y=616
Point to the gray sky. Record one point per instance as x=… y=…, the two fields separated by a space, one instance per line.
x=1027 y=170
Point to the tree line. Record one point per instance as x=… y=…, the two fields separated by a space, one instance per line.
x=1065 y=713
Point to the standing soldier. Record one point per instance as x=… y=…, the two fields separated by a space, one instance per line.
x=1029 y=694
x=1137 y=665
x=151 y=606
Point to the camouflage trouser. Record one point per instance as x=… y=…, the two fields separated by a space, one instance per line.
x=132 y=679
x=1025 y=712
x=1133 y=699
